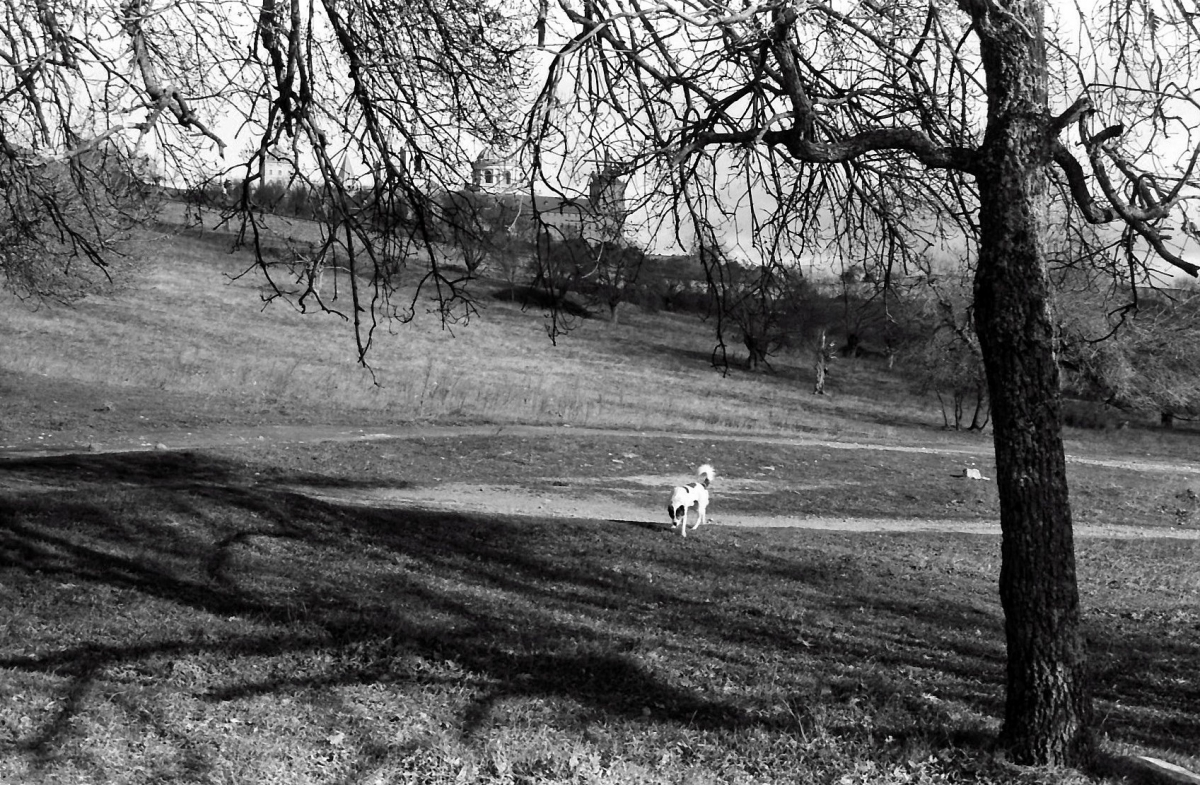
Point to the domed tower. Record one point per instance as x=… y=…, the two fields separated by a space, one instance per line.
x=495 y=171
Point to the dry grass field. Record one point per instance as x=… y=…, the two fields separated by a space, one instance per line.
x=226 y=556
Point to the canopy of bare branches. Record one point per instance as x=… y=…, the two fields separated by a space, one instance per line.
x=357 y=98
x=731 y=106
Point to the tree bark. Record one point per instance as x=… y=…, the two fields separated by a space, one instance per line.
x=820 y=364
x=1048 y=708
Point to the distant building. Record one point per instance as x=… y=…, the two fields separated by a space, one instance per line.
x=495 y=172
x=598 y=216
x=497 y=177
x=277 y=169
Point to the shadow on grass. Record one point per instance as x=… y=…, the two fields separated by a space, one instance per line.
x=538 y=298
x=623 y=619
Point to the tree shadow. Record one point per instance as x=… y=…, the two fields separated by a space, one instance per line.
x=77 y=537
x=531 y=611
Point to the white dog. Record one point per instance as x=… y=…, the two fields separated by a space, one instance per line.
x=694 y=494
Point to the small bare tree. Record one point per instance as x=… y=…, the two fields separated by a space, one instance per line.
x=477 y=224
x=948 y=359
x=757 y=302
x=823 y=354
x=618 y=266
x=952 y=369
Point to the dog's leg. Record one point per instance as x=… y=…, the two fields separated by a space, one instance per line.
x=683 y=522
x=701 y=514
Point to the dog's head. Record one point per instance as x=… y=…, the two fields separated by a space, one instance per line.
x=676 y=513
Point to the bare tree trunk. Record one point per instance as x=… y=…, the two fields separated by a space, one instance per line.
x=756 y=354
x=979 y=419
x=1047 y=708
x=820 y=364
x=942 y=403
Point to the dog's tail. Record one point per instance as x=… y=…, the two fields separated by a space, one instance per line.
x=706 y=474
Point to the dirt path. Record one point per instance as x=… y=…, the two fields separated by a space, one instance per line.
x=60 y=444
x=574 y=505
x=575 y=501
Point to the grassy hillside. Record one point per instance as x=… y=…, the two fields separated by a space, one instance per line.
x=183 y=328
x=268 y=613
x=183 y=340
